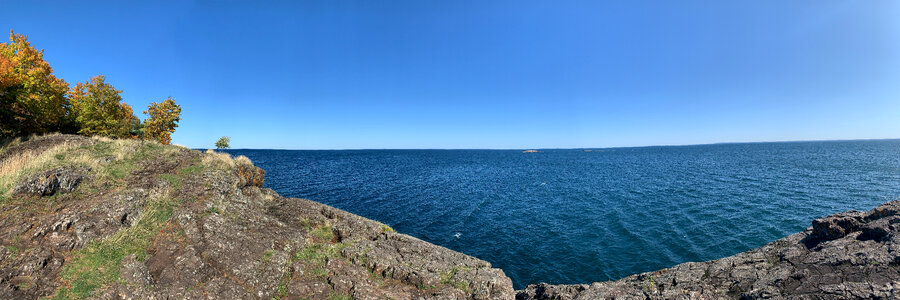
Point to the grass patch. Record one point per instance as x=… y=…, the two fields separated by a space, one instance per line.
x=324 y=233
x=174 y=180
x=305 y=223
x=339 y=297
x=317 y=254
x=99 y=263
x=447 y=278
x=282 y=290
x=195 y=168
x=267 y=255
x=213 y=210
x=13 y=251
x=117 y=172
x=385 y=228
x=4 y=191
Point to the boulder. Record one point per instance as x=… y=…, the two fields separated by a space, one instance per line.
x=59 y=180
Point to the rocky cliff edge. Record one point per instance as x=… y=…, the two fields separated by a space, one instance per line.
x=112 y=219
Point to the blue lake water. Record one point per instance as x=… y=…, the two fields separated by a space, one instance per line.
x=568 y=216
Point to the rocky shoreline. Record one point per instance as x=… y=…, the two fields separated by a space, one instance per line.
x=111 y=219
x=850 y=255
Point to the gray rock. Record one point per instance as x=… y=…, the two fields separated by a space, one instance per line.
x=47 y=183
x=850 y=255
x=135 y=272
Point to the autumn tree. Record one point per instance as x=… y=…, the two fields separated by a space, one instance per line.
x=162 y=120
x=99 y=110
x=32 y=99
x=222 y=143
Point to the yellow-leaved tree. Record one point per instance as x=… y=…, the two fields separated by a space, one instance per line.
x=32 y=99
x=99 y=110
x=162 y=120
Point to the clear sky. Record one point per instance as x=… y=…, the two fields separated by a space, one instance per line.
x=487 y=74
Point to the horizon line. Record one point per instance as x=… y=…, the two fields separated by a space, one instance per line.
x=571 y=148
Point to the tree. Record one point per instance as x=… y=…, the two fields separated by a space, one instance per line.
x=32 y=99
x=99 y=110
x=137 y=128
x=222 y=143
x=162 y=120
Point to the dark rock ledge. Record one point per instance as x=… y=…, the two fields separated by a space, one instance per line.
x=850 y=255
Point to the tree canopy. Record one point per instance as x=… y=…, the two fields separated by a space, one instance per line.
x=222 y=143
x=99 y=109
x=34 y=101
x=162 y=120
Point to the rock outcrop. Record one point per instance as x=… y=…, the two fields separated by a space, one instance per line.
x=850 y=255
x=132 y=220
x=48 y=183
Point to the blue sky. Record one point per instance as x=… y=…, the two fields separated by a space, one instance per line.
x=487 y=74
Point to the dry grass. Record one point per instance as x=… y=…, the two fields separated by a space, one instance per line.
x=242 y=160
x=126 y=152
x=219 y=159
x=15 y=167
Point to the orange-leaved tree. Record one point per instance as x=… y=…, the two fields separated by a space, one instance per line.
x=99 y=110
x=32 y=99
x=162 y=120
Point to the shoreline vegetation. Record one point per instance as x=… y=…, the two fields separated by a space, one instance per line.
x=109 y=218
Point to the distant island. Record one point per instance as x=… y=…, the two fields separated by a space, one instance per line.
x=530 y=151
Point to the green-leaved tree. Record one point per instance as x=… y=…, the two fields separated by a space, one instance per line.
x=162 y=120
x=32 y=99
x=99 y=110
x=222 y=143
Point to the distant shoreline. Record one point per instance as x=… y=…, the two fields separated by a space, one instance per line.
x=573 y=148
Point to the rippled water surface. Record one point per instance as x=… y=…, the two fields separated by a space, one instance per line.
x=568 y=216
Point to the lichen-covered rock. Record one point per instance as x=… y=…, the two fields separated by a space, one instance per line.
x=851 y=255
x=250 y=175
x=46 y=183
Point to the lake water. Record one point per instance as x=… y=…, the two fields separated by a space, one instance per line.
x=568 y=216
